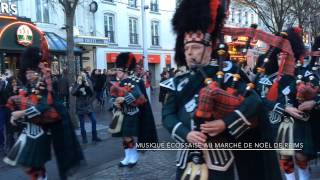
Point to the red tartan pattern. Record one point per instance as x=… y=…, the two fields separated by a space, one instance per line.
x=23 y=102
x=306 y=91
x=216 y=103
x=118 y=91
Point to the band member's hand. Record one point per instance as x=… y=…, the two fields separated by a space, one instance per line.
x=213 y=128
x=79 y=80
x=119 y=100
x=294 y=112
x=117 y=105
x=196 y=137
x=13 y=121
x=18 y=114
x=307 y=105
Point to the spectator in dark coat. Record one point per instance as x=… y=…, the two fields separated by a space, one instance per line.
x=163 y=91
x=62 y=88
x=83 y=91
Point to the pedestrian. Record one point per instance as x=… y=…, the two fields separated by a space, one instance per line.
x=127 y=98
x=62 y=84
x=99 y=86
x=163 y=91
x=83 y=91
x=46 y=122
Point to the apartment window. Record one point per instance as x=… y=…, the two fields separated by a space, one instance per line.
x=133 y=30
x=247 y=17
x=252 y=18
x=239 y=17
x=232 y=15
x=132 y=3
x=109 y=27
x=154 y=6
x=155 y=38
x=42 y=11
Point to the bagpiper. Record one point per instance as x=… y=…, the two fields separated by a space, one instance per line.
x=129 y=98
x=44 y=118
x=314 y=108
x=199 y=108
x=278 y=87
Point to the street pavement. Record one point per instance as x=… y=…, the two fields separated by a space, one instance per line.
x=103 y=158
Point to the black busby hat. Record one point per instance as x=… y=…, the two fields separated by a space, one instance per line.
x=126 y=61
x=30 y=59
x=296 y=41
x=198 y=21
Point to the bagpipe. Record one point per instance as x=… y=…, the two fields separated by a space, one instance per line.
x=39 y=93
x=118 y=113
x=215 y=101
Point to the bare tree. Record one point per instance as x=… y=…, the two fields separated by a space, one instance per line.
x=69 y=8
x=305 y=12
x=273 y=13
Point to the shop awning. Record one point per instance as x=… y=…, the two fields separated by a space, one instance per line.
x=59 y=45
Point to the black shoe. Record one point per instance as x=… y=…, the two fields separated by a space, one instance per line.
x=123 y=165
x=96 y=139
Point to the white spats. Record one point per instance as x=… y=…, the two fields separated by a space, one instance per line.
x=125 y=161
x=133 y=156
x=290 y=176
x=303 y=174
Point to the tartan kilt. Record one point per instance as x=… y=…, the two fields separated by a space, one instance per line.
x=302 y=133
x=129 y=127
x=34 y=153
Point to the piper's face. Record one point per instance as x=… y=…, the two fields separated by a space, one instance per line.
x=194 y=52
x=31 y=75
x=120 y=74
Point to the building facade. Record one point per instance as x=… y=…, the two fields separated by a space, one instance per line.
x=121 y=22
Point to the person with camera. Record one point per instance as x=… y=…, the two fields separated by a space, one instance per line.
x=83 y=91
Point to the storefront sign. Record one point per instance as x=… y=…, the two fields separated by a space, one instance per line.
x=6 y=8
x=168 y=59
x=24 y=35
x=152 y=58
x=90 y=41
